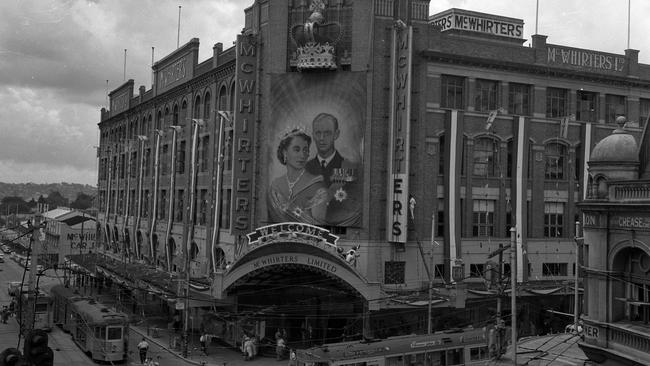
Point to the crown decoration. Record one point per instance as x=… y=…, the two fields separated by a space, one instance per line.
x=292 y=131
x=316 y=40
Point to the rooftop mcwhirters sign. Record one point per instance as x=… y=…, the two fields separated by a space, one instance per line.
x=472 y=21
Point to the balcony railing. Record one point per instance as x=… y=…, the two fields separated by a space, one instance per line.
x=630 y=339
x=630 y=191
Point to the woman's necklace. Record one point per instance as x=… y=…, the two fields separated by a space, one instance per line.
x=293 y=184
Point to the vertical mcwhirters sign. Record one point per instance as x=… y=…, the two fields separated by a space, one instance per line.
x=243 y=133
x=400 y=115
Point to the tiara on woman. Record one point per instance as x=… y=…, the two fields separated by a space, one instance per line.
x=292 y=131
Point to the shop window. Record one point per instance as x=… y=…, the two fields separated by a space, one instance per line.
x=587 y=106
x=519 y=99
x=486 y=95
x=554 y=269
x=614 y=107
x=394 y=272
x=476 y=270
x=553 y=219
x=483 y=218
x=453 y=92
x=555 y=155
x=556 y=102
x=486 y=151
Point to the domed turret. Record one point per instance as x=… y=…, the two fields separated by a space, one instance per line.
x=616 y=157
x=619 y=147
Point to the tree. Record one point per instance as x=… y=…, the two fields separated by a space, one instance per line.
x=55 y=199
x=82 y=202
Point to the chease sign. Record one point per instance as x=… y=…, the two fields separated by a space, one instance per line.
x=291 y=231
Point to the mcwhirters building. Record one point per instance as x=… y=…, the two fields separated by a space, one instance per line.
x=319 y=174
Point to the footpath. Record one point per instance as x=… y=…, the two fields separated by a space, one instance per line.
x=218 y=354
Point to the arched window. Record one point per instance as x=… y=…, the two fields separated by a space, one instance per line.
x=194 y=251
x=206 y=107
x=555 y=159
x=175 y=116
x=166 y=121
x=223 y=99
x=183 y=115
x=147 y=126
x=485 y=155
x=197 y=108
x=232 y=97
x=159 y=121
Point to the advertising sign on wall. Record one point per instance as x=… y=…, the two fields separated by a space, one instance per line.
x=314 y=147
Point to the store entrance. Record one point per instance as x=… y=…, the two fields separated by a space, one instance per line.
x=305 y=305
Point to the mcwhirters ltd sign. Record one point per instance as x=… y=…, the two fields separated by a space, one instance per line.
x=291 y=232
x=472 y=21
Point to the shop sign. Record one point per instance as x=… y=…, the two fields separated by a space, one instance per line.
x=584 y=59
x=308 y=260
x=479 y=23
x=400 y=122
x=591 y=332
x=291 y=231
x=629 y=222
x=243 y=132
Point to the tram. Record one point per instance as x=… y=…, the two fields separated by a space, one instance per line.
x=456 y=347
x=100 y=332
x=38 y=314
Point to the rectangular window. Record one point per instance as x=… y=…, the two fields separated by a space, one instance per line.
x=145 y=204
x=644 y=111
x=180 y=205
x=483 y=218
x=440 y=271
x=453 y=92
x=441 y=155
x=204 y=154
x=614 y=107
x=554 y=269
x=587 y=106
x=203 y=207
x=164 y=160
x=133 y=164
x=114 y=333
x=485 y=153
x=224 y=219
x=476 y=270
x=478 y=353
x=553 y=219
x=519 y=99
x=162 y=210
x=486 y=95
x=440 y=218
x=100 y=333
x=180 y=158
x=394 y=272
x=557 y=101
x=508 y=218
x=147 y=162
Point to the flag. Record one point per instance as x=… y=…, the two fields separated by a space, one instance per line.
x=491 y=117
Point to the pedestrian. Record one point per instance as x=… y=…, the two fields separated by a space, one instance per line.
x=143 y=347
x=293 y=361
x=204 y=343
x=280 y=348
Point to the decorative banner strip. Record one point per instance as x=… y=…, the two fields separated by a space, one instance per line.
x=290 y=231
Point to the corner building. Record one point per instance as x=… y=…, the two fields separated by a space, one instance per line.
x=450 y=131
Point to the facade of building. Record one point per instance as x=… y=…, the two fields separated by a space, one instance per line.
x=67 y=231
x=438 y=133
x=617 y=252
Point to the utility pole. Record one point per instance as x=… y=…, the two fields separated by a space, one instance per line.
x=513 y=287
x=576 y=293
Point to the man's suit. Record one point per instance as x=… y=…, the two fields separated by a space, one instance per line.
x=313 y=166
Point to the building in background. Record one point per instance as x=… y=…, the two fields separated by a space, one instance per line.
x=446 y=131
x=616 y=251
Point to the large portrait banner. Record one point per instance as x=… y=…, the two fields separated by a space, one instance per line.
x=315 y=148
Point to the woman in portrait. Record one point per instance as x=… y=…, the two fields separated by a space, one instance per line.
x=297 y=195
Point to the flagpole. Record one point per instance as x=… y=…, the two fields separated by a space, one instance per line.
x=536 y=16
x=629 y=4
x=124 y=78
x=178 y=33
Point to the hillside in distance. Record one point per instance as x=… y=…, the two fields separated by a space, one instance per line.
x=33 y=190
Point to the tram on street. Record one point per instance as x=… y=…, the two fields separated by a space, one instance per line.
x=455 y=347
x=39 y=314
x=100 y=332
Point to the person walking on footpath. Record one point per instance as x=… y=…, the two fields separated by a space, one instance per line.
x=204 y=343
x=143 y=347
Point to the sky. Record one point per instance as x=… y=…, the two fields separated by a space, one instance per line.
x=58 y=59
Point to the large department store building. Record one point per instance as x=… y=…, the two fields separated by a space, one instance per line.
x=448 y=130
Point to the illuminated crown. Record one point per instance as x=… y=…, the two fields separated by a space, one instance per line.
x=316 y=40
x=292 y=131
